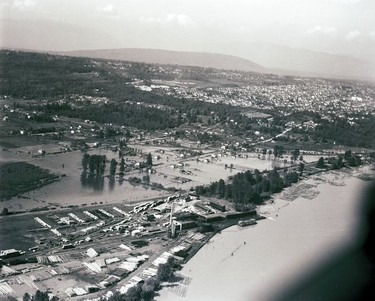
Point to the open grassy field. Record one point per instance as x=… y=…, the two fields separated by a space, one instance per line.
x=19 y=177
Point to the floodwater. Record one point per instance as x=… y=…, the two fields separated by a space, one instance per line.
x=70 y=189
x=23 y=232
x=14 y=232
x=256 y=262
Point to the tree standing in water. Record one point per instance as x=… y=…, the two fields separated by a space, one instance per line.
x=320 y=163
x=85 y=161
x=301 y=167
x=149 y=161
x=112 y=168
x=122 y=166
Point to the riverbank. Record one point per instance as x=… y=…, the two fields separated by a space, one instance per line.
x=296 y=236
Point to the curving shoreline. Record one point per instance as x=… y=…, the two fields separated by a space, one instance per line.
x=297 y=235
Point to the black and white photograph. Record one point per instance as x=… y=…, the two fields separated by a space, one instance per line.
x=185 y=150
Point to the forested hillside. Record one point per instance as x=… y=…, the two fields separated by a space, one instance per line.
x=38 y=76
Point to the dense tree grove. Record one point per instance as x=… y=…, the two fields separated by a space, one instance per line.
x=343 y=133
x=126 y=114
x=246 y=187
x=335 y=129
x=36 y=76
x=165 y=271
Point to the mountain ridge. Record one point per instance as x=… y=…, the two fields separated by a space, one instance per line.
x=59 y=37
x=303 y=61
x=171 y=57
x=361 y=71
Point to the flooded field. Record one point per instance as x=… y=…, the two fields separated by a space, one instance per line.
x=172 y=170
x=69 y=190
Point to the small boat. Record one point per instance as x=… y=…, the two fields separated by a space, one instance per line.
x=248 y=222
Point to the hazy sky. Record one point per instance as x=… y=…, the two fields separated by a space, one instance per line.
x=336 y=26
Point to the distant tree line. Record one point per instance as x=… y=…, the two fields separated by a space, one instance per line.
x=42 y=118
x=36 y=75
x=125 y=114
x=340 y=131
x=41 y=130
x=337 y=129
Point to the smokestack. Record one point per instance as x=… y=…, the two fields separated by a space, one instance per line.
x=172 y=225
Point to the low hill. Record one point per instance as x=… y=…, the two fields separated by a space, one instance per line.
x=157 y=56
x=293 y=61
x=271 y=59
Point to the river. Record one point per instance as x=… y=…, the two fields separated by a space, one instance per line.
x=297 y=236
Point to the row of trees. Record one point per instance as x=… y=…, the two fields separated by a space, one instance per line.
x=93 y=171
x=339 y=162
x=279 y=151
x=95 y=164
